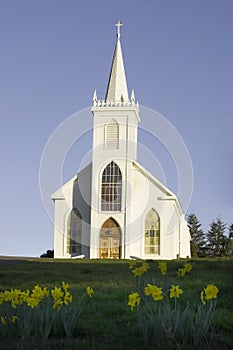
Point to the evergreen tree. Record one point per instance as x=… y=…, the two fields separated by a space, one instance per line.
x=229 y=242
x=217 y=241
x=198 y=240
x=231 y=231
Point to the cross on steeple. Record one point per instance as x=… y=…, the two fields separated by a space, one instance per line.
x=117 y=86
x=118 y=25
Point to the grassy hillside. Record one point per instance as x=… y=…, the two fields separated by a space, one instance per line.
x=106 y=321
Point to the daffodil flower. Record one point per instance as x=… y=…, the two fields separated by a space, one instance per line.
x=132 y=264
x=210 y=292
x=3 y=320
x=14 y=319
x=134 y=299
x=181 y=272
x=175 y=291
x=188 y=267
x=163 y=267
x=65 y=286
x=89 y=291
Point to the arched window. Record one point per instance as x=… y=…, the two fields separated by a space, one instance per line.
x=74 y=233
x=152 y=233
x=112 y=135
x=111 y=188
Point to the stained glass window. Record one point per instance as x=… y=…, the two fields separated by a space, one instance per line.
x=152 y=233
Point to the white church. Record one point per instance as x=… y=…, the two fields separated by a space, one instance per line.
x=114 y=208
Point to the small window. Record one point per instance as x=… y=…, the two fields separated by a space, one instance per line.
x=112 y=135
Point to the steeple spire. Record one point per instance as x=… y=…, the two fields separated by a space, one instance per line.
x=117 y=85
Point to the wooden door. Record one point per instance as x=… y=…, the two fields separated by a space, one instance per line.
x=110 y=240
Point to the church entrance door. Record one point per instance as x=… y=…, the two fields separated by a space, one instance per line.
x=110 y=240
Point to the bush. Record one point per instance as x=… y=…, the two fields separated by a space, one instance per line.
x=48 y=254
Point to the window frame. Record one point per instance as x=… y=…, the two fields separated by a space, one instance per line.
x=152 y=231
x=111 y=188
x=74 y=237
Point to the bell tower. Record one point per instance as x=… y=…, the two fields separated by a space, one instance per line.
x=115 y=122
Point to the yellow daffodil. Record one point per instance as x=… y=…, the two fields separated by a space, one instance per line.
x=175 y=291
x=210 y=292
x=45 y=292
x=7 y=295
x=3 y=320
x=163 y=267
x=188 y=267
x=57 y=304
x=57 y=293
x=181 y=272
x=145 y=265
x=33 y=302
x=134 y=299
x=157 y=294
x=68 y=298
x=25 y=295
x=149 y=289
x=89 y=291
x=132 y=264
x=65 y=286
x=154 y=291
x=15 y=297
x=138 y=271
x=37 y=292
x=14 y=319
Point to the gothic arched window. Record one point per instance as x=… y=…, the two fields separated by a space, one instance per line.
x=112 y=135
x=111 y=188
x=74 y=233
x=152 y=233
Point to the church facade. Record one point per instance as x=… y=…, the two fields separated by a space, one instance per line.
x=114 y=208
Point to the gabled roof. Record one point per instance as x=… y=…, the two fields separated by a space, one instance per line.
x=117 y=85
x=168 y=194
x=59 y=193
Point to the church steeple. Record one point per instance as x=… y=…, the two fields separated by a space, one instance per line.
x=117 y=85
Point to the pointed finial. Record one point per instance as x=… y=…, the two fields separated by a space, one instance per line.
x=118 y=25
x=94 y=99
x=94 y=96
x=132 y=95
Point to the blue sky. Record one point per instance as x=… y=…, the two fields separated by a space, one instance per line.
x=178 y=56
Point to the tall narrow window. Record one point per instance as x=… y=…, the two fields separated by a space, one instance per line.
x=152 y=233
x=111 y=188
x=112 y=135
x=74 y=233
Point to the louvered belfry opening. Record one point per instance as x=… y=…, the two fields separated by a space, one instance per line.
x=111 y=189
x=112 y=135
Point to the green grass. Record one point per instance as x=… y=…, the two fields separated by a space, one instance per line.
x=108 y=323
